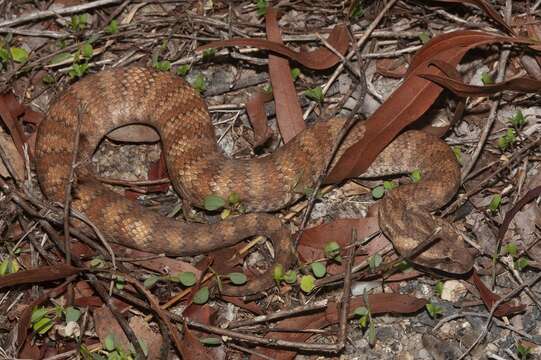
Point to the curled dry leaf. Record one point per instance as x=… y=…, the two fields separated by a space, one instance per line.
x=318 y=59
x=521 y=84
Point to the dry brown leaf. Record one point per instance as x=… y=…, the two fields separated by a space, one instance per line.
x=288 y=108
x=411 y=100
x=38 y=275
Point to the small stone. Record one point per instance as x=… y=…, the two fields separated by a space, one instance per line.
x=453 y=290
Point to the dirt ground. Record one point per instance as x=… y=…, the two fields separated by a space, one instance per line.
x=398 y=309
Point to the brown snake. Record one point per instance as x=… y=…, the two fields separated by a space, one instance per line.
x=197 y=168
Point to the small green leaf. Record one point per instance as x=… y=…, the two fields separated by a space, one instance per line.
x=374 y=261
x=319 y=269
x=112 y=28
x=518 y=120
x=511 y=249
x=433 y=310
x=523 y=351
x=267 y=88
x=13 y=266
x=87 y=50
x=97 y=263
x=163 y=65
x=58 y=58
x=295 y=73
x=378 y=192
x=361 y=311
x=48 y=79
x=187 y=278
x=38 y=314
x=43 y=325
x=211 y=341
x=332 y=249
x=278 y=272
x=208 y=54
x=495 y=203
x=233 y=198
x=78 y=70
x=290 y=276
x=225 y=214
x=4 y=55
x=4 y=266
x=201 y=296
x=522 y=263
x=457 y=150
x=237 y=278
x=424 y=37
x=315 y=94
x=213 y=203
x=307 y=283
x=357 y=11
x=120 y=282
x=486 y=78
x=109 y=342
x=415 y=176
x=502 y=143
x=151 y=281
x=261 y=7
x=19 y=55
x=182 y=70
x=199 y=83
x=72 y=314
x=389 y=185
x=438 y=289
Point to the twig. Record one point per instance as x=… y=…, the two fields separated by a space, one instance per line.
x=346 y=294
x=39 y=15
x=318 y=305
x=35 y=33
x=68 y=187
x=491 y=315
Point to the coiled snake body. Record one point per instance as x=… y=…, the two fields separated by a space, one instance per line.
x=197 y=168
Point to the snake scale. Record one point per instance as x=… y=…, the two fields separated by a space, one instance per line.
x=117 y=97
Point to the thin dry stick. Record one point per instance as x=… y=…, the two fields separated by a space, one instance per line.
x=346 y=294
x=67 y=191
x=39 y=15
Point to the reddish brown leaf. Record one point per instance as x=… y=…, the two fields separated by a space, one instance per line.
x=312 y=243
x=192 y=349
x=106 y=325
x=318 y=59
x=393 y=68
x=489 y=298
x=411 y=100
x=255 y=107
x=10 y=110
x=379 y=304
x=250 y=306
x=522 y=84
x=288 y=108
x=38 y=275
x=488 y=9
x=162 y=265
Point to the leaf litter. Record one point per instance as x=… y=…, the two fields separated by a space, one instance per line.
x=506 y=175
